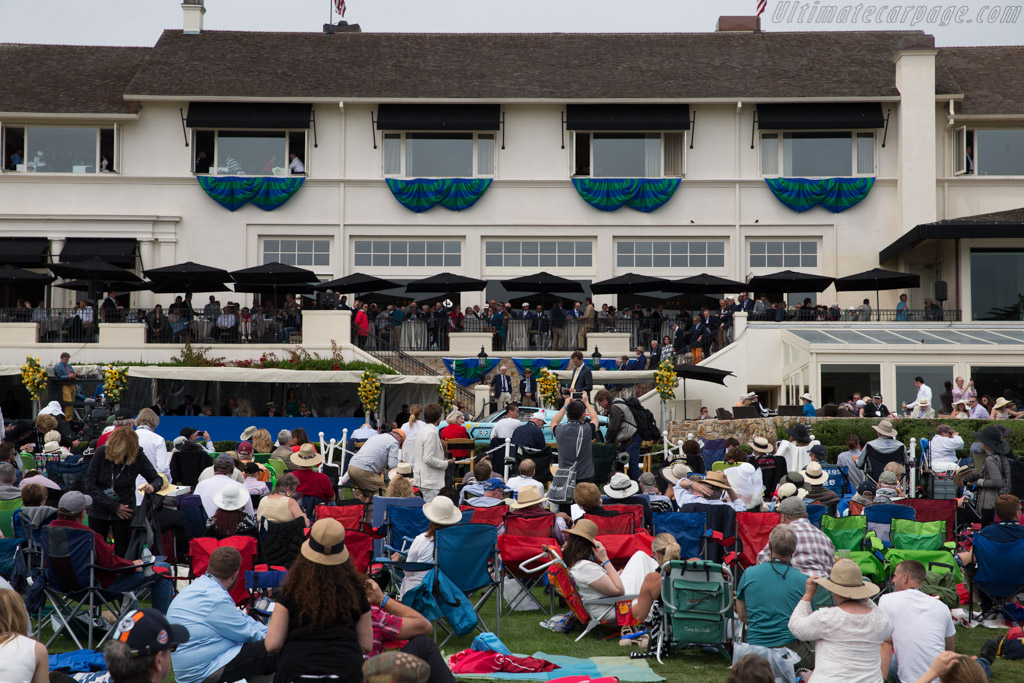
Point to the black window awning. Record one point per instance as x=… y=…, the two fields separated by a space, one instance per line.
x=119 y=251
x=274 y=115
x=24 y=252
x=627 y=117
x=820 y=116
x=438 y=116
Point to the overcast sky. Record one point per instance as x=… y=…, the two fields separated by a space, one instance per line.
x=139 y=22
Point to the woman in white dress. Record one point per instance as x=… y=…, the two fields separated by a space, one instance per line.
x=797 y=451
x=594 y=574
x=22 y=660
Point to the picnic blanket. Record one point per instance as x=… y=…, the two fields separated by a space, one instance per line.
x=625 y=669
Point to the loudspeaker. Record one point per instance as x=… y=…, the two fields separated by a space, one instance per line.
x=941 y=293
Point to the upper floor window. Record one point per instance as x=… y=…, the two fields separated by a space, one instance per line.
x=812 y=154
x=60 y=149
x=249 y=152
x=538 y=254
x=988 y=151
x=407 y=253
x=669 y=254
x=628 y=154
x=783 y=254
x=439 y=155
x=315 y=253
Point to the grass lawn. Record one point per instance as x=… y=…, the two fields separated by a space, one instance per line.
x=522 y=633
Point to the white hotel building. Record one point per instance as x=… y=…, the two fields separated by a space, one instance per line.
x=108 y=140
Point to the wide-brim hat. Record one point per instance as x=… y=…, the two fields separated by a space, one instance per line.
x=800 y=432
x=806 y=397
x=846 y=580
x=231 y=498
x=621 y=486
x=248 y=433
x=922 y=401
x=717 y=479
x=404 y=469
x=326 y=543
x=676 y=473
x=749 y=395
x=585 y=529
x=51 y=448
x=527 y=496
x=788 y=490
x=442 y=511
x=1000 y=403
x=814 y=474
x=307 y=456
x=761 y=445
x=992 y=437
x=885 y=428
x=167 y=488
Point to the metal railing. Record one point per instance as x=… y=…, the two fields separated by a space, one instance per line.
x=389 y=354
x=56 y=325
x=827 y=315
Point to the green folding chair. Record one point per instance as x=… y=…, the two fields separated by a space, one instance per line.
x=870 y=566
x=7 y=509
x=721 y=465
x=261 y=458
x=28 y=462
x=906 y=534
x=278 y=466
x=938 y=561
x=846 y=533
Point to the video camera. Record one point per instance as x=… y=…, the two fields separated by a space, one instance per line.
x=95 y=418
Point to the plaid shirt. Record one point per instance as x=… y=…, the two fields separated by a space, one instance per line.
x=814 y=554
x=385 y=629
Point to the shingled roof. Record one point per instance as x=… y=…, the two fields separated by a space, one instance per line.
x=67 y=79
x=505 y=66
x=992 y=78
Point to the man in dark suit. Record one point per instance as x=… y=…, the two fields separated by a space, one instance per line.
x=187 y=407
x=501 y=388
x=528 y=388
x=875 y=408
x=654 y=359
x=745 y=303
x=704 y=330
x=639 y=362
x=582 y=379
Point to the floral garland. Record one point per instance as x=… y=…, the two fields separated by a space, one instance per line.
x=547 y=384
x=115 y=381
x=446 y=393
x=369 y=392
x=33 y=377
x=666 y=381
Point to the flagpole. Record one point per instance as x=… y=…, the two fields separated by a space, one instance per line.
x=330 y=9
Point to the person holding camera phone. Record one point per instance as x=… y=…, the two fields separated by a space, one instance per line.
x=575 y=439
x=582 y=381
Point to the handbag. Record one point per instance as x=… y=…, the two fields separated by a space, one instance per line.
x=563 y=485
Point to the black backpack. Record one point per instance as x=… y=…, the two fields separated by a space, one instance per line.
x=646 y=427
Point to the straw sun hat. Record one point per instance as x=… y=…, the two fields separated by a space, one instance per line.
x=442 y=511
x=586 y=530
x=307 y=456
x=527 y=496
x=326 y=543
x=846 y=580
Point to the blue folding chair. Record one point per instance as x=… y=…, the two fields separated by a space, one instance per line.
x=838 y=479
x=880 y=519
x=686 y=527
x=468 y=555
x=381 y=505
x=998 y=571
x=814 y=513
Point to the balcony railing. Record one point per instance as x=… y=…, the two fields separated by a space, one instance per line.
x=56 y=324
x=855 y=315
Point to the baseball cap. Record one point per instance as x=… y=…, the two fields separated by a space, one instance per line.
x=147 y=631
x=244 y=448
x=794 y=505
x=888 y=478
x=867 y=487
x=187 y=432
x=251 y=468
x=224 y=459
x=123 y=414
x=74 y=502
x=493 y=484
x=818 y=449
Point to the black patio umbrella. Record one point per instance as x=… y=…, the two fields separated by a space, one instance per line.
x=95 y=272
x=877 y=279
x=188 y=277
x=703 y=283
x=786 y=281
x=630 y=282
x=357 y=283
x=538 y=298
x=271 y=277
x=11 y=275
x=701 y=373
x=106 y=285
x=446 y=282
x=542 y=283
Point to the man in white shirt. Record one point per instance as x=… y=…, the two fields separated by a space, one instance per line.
x=295 y=165
x=223 y=467
x=527 y=468
x=943 y=448
x=922 y=625
x=153 y=445
x=923 y=391
x=504 y=427
x=363 y=433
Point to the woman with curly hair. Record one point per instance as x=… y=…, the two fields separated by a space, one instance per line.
x=321 y=623
x=113 y=469
x=262 y=442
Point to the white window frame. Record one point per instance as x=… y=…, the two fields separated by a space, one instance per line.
x=287 y=132
x=960 y=150
x=394 y=238
x=476 y=152
x=816 y=241
x=562 y=270
x=590 y=139
x=321 y=271
x=853 y=152
x=977 y=151
x=116 y=160
x=707 y=241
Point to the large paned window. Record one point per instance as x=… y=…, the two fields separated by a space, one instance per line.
x=997 y=284
x=824 y=154
x=249 y=152
x=538 y=254
x=60 y=149
x=628 y=155
x=669 y=254
x=307 y=253
x=999 y=151
x=783 y=254
x=439 y=155
x=935 y=376
x=407 y=253
x=838 y=381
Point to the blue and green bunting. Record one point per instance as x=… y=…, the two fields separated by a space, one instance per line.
x=466 y=371
x=611 y=194
x=234 y=192
x=423 y=194
x=835 y=194
x=535 y=364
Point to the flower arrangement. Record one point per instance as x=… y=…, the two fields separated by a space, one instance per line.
x=666 y=381
x=369 y=391
x=548 y=386
x=33 y=377
x=446 y=393
x=115 y=380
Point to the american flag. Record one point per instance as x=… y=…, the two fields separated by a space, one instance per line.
x=760 y=6
x=339 y=7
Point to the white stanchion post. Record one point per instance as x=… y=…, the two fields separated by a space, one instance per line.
x=332 y=444
x=912 y=458
x=679 y=445
x=323 y=452
x=508 y=450
x=664 y=448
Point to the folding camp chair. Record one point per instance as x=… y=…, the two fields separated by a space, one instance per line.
x=686 y=527
x=494 y=515
x=278 y=466
x=7 y=510
x=621 y=547
x=998 y=572
x=815 y=512
x=261 y=582
x=67 y=475
x=195 y=514
x=514 y=551
x=618 y=525
x=880 y=518
x=637 y=512
x=929 y=510
x=72 y=589
x=351 y=516
x=846 y=533
x=875 y=461
x=468 y=554
x=380 y=506
x=838 y=479
x=721 y=529
x=939 y=561
x=752 y=531
x=401 y=525
x=907 y=534
x=200 y=550
x=540 y=526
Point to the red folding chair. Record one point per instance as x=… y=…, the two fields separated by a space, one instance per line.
x=514 y=551
x=538 y=527
x=350 y=516
x=637 y=511
x=928 y=510
x=752 y=530
x=618 y=525
x=494 y=515
x=201 y=548
x=621 y=547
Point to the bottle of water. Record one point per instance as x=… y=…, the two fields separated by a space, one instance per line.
x=147 y=559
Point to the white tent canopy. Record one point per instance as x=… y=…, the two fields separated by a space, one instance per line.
x=271 y=375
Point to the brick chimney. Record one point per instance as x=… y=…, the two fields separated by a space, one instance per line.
x=193 y=11
x=738 y=24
